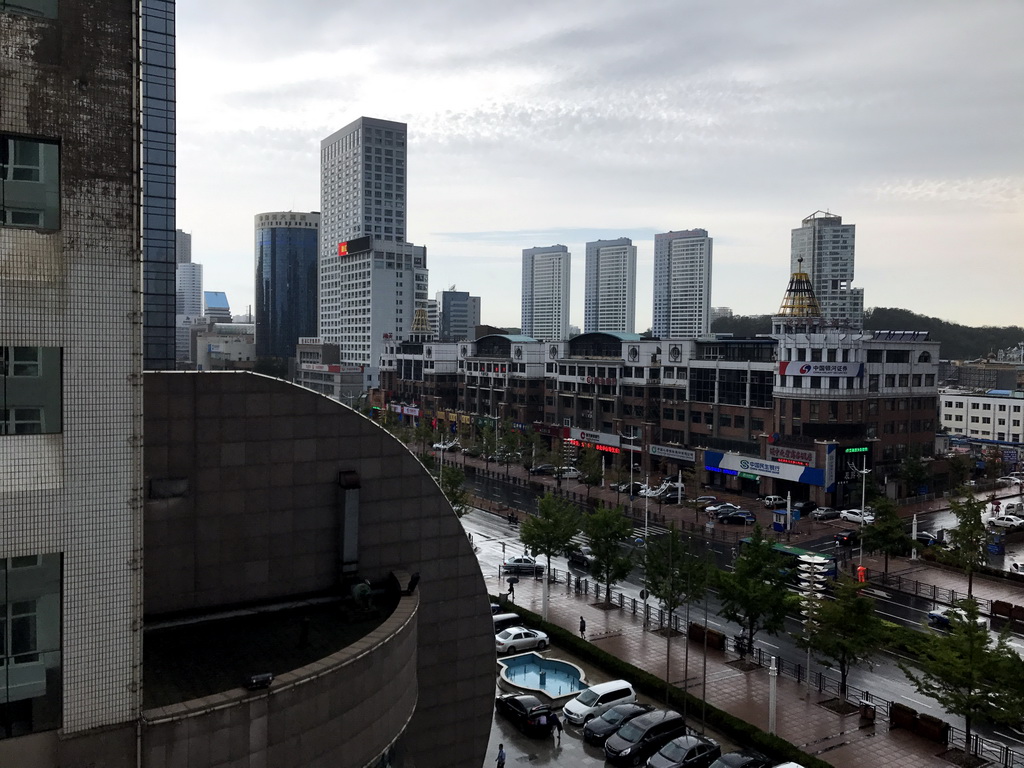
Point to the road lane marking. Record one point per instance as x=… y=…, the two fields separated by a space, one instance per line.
x=918 y=702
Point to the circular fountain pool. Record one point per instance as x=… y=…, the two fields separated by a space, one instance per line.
x=554 y=678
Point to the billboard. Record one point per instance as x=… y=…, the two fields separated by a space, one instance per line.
x=734 y=463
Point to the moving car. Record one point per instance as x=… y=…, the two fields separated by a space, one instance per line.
x=528 y=713
x=569 y=473
x=927 y=539
x=857 y=516
x=824 y=513
x=633 y=489
x=523 y=564
x=543 y=469
x=771 y=502
x=714 y=509
x=672 y=496
x=642 y=736
x=515 y=639
x=600 y=728
x=845 y=538
x=1007 y=521
x=690 y=751
x=446 y=446
x=707 y=499
x=737 y=517
x=942 y=618
x=744 y=758
x=581 y=556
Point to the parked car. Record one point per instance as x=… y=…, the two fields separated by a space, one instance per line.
x=496 y=608
x=824 y=513
x=738 y=517
x=569 y=473
x=725 y=506
x=515 y=639
x=673 y=496
x=446 y=446
x=597 y=700
x=744 y=758
x=1013 y=508
x=707 y=499
x=626 y=488
x=846 y=538
x=600 y=728
x=543 y=469
x=642 y=736
x=1007 y=521
x=942 y=618
x=523 y=564
x=472 y=451
x=690 y=751
x=528 y=713
x=805 y=508
x=771 y=502
x=581 y=556
x=857 y=516
x=1010 y=480
x=927 y=539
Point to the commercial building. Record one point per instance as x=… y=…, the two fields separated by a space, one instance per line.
x=287 y=250
x=682 y=284
x=823 y=248
x=158 y=184
x=182 y=246
x=459 y=315
x=545 y=303
x=992 y=415
x=609 y=298
x=215 y=307
x=188 y=306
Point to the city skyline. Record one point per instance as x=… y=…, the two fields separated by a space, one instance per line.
x=896 y=118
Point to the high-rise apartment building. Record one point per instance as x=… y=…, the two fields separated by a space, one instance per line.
x=682 y=284
x=158 y=184
x=188 y=306
x=287 y=249
x=823 y=248
x=71 y=348
x=182 y=247
x=609 y=299
x=371 y=280
x=546 y=292
x=460 y=315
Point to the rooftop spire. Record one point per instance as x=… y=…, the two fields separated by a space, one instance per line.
x=800 y=300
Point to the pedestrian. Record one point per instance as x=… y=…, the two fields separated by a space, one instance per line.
x=511 y=590
x=501 y=756
x=583 y=628
x=558 y=726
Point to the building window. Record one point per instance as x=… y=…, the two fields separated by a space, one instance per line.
x=30 y=390
x=45 y=9
x=29 y=183
x=30 y=650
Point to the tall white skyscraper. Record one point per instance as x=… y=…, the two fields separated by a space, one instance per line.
x=826 y=247
x=188 y=308
x=682 y=284
x=609 y=302
x=371 y=280
x=546 y=292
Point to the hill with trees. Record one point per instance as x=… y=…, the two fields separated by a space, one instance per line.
x=959 y=342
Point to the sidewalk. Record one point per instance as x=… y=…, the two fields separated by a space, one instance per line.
x=842 y=740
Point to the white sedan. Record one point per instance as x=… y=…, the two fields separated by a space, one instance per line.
x=857 y=516
x=516 y=639
x=569 y=473
x=725 y=506
x=1010 y=480
x=1007 y=521
x=943 y=618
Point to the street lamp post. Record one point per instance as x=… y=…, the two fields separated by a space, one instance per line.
x=863 y=472
x=647 y=501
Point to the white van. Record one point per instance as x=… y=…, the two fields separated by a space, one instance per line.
x=505 y=620
x=597 y=700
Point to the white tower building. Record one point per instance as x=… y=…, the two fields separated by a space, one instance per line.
x=610 y=286
x=546 y=292
x=682 y=284
x=826 y=246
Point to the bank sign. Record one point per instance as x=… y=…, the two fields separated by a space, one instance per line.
x=671 y=452
x=597 y=438
x=796 y=368
x=733 y=463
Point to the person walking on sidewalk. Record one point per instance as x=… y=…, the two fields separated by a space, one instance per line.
x=583 y=628
x=501 y=756
x=557 y=726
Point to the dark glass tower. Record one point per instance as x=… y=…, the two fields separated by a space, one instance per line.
x=158 y=194
x=287 y=244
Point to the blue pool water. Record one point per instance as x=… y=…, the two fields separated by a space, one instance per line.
x=533 y=672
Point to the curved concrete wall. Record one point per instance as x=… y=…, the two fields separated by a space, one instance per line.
x=343 y=710
x=248 y=470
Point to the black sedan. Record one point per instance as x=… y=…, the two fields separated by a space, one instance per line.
x=738 y=517
x=744 y=758
x=846 y=538
x=528 y=713
x=600 y=728
x=690 y=751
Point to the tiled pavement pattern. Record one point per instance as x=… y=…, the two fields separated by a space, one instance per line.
x=842 y=741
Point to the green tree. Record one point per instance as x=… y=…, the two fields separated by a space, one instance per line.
x=591 y=469
x=754 y=593
x=844 y=631
x=552 y=528
x=887 y=534
x=532 y=450
x=509 y=444
x=967 y=674
x=488 y=442
x=675 y=573
x=913 y=472
x=607 y=528
x=453 y=486
x=959 y=470
x=994 y=466
x=969 y=539
x=423 y=434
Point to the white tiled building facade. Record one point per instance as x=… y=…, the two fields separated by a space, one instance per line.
x=682 y=284
x=609 y=302
x=826 y=247
x=545 y=313
x=70 y=370
x=991 y=415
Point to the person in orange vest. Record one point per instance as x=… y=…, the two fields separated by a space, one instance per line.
x=862 y=573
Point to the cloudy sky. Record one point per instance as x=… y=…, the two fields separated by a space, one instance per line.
x=564 y=121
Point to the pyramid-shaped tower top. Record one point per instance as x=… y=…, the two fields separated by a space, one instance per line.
x=420 y=323
x=800 y=300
